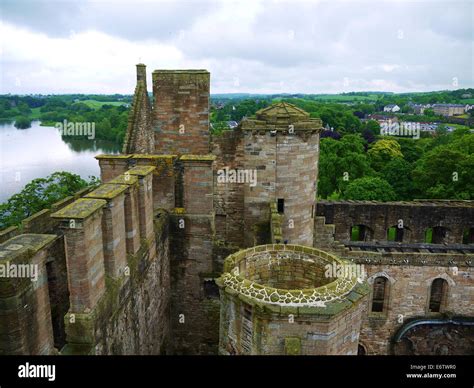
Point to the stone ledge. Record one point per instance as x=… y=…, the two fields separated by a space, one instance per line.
x=141 y=170
x=80 y=209
x=107 y=191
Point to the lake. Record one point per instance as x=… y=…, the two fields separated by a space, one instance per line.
x=36 y=152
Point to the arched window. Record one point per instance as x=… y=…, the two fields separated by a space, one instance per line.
x=436 y=235
x=361 y=233
x=361 y=350
x=379 y=294
x=395 y=234
x=438 y=293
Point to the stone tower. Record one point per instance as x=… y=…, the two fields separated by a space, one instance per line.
x=181 y=111
x=277 y=299
x=282 y=144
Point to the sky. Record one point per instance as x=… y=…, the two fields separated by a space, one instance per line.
x=249 y=46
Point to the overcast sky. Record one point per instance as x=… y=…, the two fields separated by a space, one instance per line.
x=248 y=46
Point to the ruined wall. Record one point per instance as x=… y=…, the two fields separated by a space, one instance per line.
x=120 y=304
x=194 y=309
x=408 y=297
x=194 y=313
x=229 y=197
x=437 y=339
x=409 y=270
x=417 y=217
x=25 y=313
x=181 y=111
x=136 y=318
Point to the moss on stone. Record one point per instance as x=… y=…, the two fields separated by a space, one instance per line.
x=107 y=191
x=125 y=179
x=114 y=156
x=141 y=170
x=80 y=209
x=292 y=346
x=202 y=158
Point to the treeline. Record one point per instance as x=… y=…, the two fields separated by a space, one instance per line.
x=109 y=113
x=357 y=163
x=110 y=121
x=390 y=169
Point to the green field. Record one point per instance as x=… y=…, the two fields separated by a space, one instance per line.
x=344 y=98
x=97 y=104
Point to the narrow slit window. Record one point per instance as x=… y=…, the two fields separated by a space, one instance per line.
x=281 y=205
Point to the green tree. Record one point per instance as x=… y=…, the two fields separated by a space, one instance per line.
x=429 y=112
x=340 y=162
x=445 y=172
x=22 y=122
x=383 y=151
x=398 y=173
x=39 y=194
x=370 y=189
x=373 y=126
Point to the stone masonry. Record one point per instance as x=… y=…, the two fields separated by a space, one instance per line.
x=200 y=244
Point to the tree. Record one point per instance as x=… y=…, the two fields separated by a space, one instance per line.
x=383 y=151
x=429 y=112
x=368 y=136
x=39 y=194
x=24 y=109
x=22 y=122
x=445 y=172
x=373 y=126
x=370 y=189
x=398 y=173
x=340 y=162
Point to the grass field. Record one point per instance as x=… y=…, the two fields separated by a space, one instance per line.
x=97 y=104
x=345 y=98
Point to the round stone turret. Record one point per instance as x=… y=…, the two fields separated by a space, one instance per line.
x=282 y=145
x=290 y=299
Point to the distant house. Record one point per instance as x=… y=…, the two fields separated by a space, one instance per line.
x=419 y=109
x=232 y=124
x=382 y=118
x=449 y=109
x=391 y=108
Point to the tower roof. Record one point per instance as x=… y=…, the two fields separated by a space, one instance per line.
x=280 y=112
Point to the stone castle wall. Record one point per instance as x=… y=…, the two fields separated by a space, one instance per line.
x=417 y=217
x=410 y=271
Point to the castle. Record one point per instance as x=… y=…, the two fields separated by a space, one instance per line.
x=181 y=251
